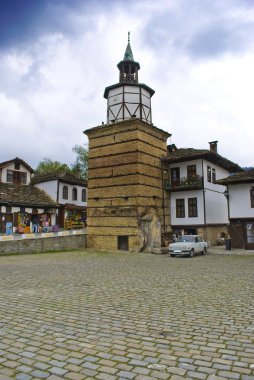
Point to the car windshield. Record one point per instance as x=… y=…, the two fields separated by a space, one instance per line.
x=185 y=238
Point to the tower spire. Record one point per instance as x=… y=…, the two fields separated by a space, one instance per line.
x=128 y=98
x=128 y=55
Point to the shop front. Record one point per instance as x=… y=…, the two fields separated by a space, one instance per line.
x=23 y=220
x=72 y=217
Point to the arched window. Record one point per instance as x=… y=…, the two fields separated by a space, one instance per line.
x=83 y=195
x=74 y=194
x=65 y=192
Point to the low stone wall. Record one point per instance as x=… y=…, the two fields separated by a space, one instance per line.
x=43 y=244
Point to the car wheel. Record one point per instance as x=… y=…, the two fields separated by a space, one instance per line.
x=192 y=253
x=172 y=255
x=204 y=251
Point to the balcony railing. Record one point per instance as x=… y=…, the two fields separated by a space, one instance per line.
x=191 y=183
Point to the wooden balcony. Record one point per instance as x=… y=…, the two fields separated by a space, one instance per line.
x=192 y=183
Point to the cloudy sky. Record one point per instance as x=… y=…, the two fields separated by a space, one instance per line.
x=57 y=56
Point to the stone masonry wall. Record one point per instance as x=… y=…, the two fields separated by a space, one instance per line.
x=43 y=244
x=212 y=233
x=125 y=182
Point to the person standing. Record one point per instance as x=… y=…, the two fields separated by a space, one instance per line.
x=27 y=226
x=35 y=224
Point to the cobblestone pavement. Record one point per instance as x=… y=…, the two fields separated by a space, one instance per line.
x=83 y=315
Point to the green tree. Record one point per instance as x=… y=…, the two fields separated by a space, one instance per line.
x=81 y=162
x=49 y=166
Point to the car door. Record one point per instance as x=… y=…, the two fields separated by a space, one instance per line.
x=200 y=244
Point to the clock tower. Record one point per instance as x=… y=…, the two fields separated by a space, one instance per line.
x=127 y=205
x=128 y=98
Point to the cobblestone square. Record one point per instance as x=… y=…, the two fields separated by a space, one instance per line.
x=88 y=315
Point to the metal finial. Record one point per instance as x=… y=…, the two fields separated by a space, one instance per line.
x=129 y=37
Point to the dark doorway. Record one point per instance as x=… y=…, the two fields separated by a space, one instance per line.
x=190 y=231
x=175 y=178
x=123 y=243
x=237 y=233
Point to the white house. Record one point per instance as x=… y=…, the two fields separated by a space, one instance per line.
x=197 y=203
x=70 y=192
x=240 y=193
x=19 y=200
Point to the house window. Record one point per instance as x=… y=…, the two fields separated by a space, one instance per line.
x=74 y=194
x=252 y=197
x=23 y=178
x=209 y=174
x=180 y=208
x=83 y=195
x=16 y=177
x=191 y=171
x=192 y=207
x=65 y=192
x=9 y=176
x=213 y=175
x=17 y=166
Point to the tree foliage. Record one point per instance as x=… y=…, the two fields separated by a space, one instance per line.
x=49 y=166
x=78 y=168
x=81 y=162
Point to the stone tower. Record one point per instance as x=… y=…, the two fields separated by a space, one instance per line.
x=127 y=207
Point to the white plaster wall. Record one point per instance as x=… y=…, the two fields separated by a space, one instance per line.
x=135 y=89
x=78 y=202
x=185 y=195
x=220 y=173
x=239 y=200
x=50 y=187
x=216 y=207
x=131 y=97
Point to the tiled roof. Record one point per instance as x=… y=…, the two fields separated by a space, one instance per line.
x=18 y=160
x=246 y=176
x=188 y=154
x=62 y=177
x=24 y=195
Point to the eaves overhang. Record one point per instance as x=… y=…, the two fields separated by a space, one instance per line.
x=142 y=85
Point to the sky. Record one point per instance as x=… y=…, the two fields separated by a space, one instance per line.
x=57 y=57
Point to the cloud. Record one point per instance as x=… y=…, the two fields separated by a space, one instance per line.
x=53 y=72
x=201 y=30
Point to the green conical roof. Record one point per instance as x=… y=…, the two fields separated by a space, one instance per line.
x=128 y=55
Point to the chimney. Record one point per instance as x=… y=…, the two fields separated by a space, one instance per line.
x=213 y=146
x=172 y=148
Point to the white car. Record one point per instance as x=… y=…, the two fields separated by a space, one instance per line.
x=188 y=245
